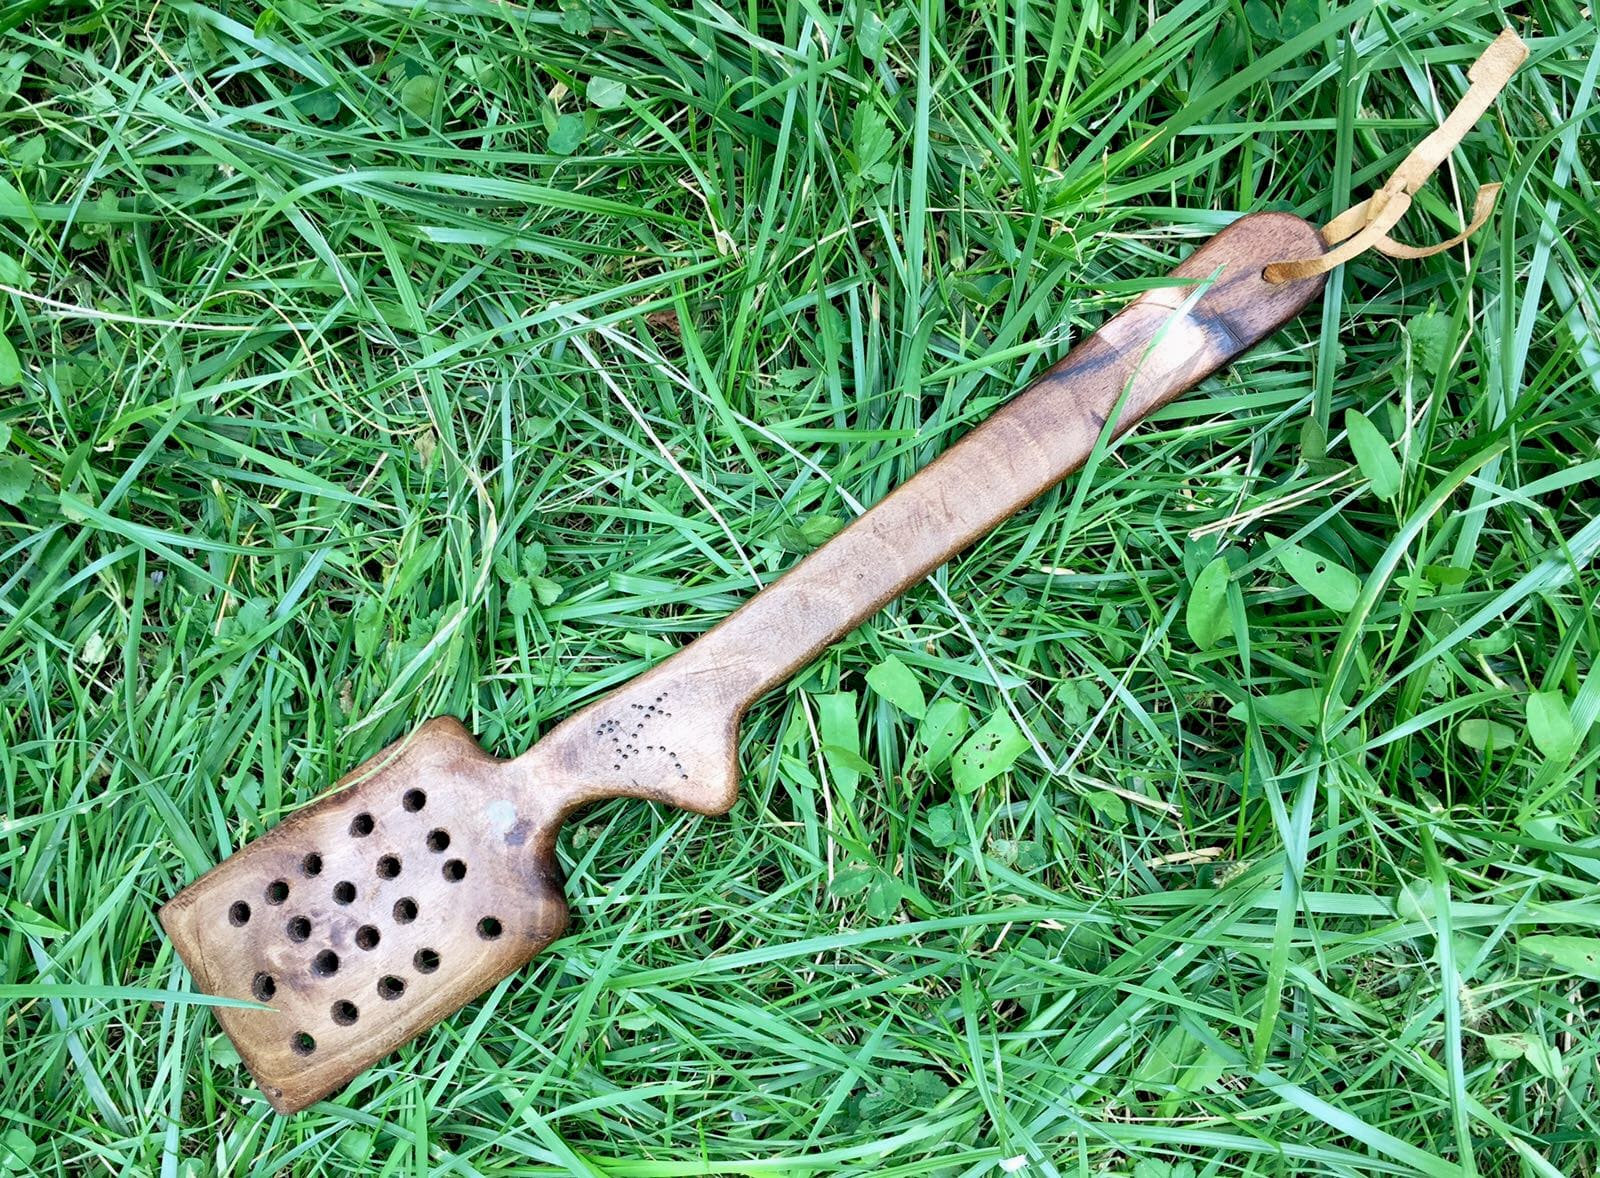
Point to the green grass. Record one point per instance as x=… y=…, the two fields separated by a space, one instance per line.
x=311 y=441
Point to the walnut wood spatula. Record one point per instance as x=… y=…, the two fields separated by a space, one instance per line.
x=431 y=874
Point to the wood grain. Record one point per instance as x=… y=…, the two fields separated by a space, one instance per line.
x=430 y=873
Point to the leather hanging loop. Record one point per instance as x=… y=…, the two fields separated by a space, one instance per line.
x=1366 y=225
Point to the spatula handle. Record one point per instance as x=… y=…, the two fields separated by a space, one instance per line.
x=1149 y=353
x=671 y=734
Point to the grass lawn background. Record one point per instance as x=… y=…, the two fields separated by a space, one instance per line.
x=362 y=353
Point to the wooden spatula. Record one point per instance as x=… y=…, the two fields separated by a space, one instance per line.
x=367 y=917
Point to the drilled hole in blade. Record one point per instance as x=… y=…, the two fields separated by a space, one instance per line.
x=302 y=1043
x=264 y=987
x=344 y=891
x=388 y=867
x=325 y=964
x=344 y=1012
x=489 y=928
x=455 y=870
x=238 y=913
x=299 y=929
x=438 y=840
x=277 y=891
x=367 y=937
x=414 y=800
x=390 y=987
x=361 y=825
x=426 y=960
x=405 y=910
x=311 y=865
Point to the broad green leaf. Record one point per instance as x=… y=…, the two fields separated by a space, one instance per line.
x=1313 y=441
x=820 y=528
x=988 y=752
x=942 y=828
x=1005 y=851
x=1430 y=340
x=576 y=17
x=1202 y=1073
x=417 y=96
x=546 y=590
x=519 y=598
x=1301 y=706
x=872 y=141
x=841 y=733
x=607 y=93
x=896 y=682
x=942 y=728
x=1417 y=901
x=985 y=289
x=477 y=68
x=534 y=559
x=300 y=12
x=1108 y=805
x=1485 y=735
x=883 y=895
x=1505 y=1046
x=1550 y=726
x=1079 y=698
x=647 y=646
x=370 y=627
x=30 y=151
x=1497 y=641
x=848 y=758
x=852 y=879
x=1207 y=615
x=1446 y=576
x=16 y=476
x=10 y=366
x=14 y=206
x=17 y=1151
x=1157 y=1168
x=1166 y=1058
x=94 y=649
x=1373 y=455
x=1263 y=21
x=222 y=1051
x=1546 y=1060
x=897 y=1088
x=1296 y=17
x=321 y=105
x=1324 y=578
x=1220 y=57
x=871 y=33
x=567 y=136
x=1576 y=955
x=11 y=72
x=356 y=1144
x=1467 y=949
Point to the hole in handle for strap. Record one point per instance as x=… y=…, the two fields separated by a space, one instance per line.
x=1366 y=225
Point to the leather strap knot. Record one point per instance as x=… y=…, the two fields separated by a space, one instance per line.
x=1366 y=225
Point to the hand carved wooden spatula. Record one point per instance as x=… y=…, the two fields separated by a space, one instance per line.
x=431 y=874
